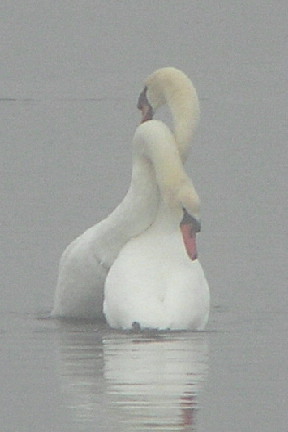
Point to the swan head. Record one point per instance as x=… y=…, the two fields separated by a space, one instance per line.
x=171 y=86
x=159 y=89
x=144 y=106
x=163 y=86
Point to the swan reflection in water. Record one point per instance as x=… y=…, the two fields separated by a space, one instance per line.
x=132 y=381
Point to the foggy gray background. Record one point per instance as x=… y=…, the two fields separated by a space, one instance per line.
x=70 y=77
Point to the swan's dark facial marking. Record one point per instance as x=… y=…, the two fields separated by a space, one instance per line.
x=142 y=99
x=144 y=106
x=189 y=227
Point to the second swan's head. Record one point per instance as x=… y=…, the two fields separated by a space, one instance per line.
x=170 y=86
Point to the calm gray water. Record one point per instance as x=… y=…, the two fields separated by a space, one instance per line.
x=70 y=78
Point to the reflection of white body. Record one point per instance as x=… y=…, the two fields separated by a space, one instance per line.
x=129 y=382
x=153 y=281
x=87 y=260
x=155 y=381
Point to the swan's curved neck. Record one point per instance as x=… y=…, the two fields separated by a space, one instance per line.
x=183 y=128
x=132 y=216
x=184 y=108
x=169 y=86
x=154 y=141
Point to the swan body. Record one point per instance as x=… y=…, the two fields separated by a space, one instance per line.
x=113 y=249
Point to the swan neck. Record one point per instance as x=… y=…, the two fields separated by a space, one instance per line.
x=157 y=143
x=185 y=114
x=172 y=87
x=132 y=216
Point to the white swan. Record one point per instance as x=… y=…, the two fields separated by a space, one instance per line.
x=87 y=260
x=157 y=280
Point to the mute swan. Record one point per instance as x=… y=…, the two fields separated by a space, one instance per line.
x=157 y=281
x=85 y=263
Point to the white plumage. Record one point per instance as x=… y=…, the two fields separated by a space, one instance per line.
x=138 y=252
